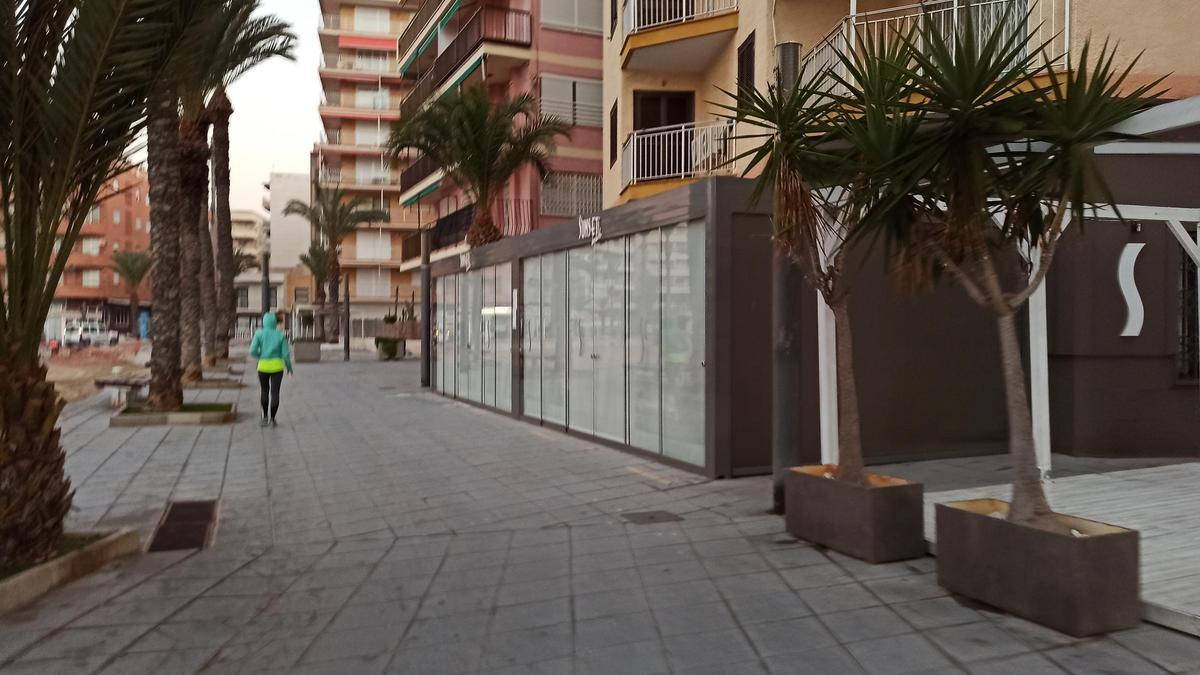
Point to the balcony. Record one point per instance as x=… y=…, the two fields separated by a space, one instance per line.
x=417 y=172
x=355 y=181
x=418 y=25
x=675 y=35
x=335 y=22
x=678 y=152
x=488 y=24
x=375 y=102
x=353 y=63
x=337 y=137
x=1044 y=25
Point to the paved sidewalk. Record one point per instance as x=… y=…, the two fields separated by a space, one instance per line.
x=381 y=529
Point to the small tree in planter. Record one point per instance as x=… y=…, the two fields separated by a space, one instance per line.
x=388 y=346
x=816 y=156
x=1003 y=156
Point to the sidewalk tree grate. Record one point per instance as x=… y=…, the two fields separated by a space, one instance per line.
x=185 y=526
x=648 y=517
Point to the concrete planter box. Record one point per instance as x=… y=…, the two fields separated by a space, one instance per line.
x=21 y=589
x=306 y=352
x=1078 y=585
x=192 y=414
x=215 y=383
x=879 y=523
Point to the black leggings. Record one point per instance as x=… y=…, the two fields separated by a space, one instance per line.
x=270 y=384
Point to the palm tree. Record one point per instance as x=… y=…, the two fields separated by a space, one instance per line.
x=75 y=89
x=334 y=215
x=480 y=146
x=132 y=266
x=243 y=262
x=1002 y=159
x=814 y=153
x=248 y=41
x=316 y=260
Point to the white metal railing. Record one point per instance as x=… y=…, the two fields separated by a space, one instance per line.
x=360 y=64
x=1046 y=24
x=336 y=137
x=364 y=101
x=678 y=151
x=335 y=22
x=642 y=15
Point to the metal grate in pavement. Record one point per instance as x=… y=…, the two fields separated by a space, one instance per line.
x=648 y=517
x=185 y=526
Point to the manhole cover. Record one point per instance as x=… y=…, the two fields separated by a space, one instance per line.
x=647 y=517
x=185 y=526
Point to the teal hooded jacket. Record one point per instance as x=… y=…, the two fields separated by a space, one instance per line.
x=270 y=347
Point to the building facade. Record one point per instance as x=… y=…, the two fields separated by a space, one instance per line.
x=89 y=288
x=550 y=49
x=250 y=232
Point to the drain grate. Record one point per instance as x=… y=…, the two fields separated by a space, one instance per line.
x=648 y=517
x=185 y=526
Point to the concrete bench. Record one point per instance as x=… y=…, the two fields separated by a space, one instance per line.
x=122 y=390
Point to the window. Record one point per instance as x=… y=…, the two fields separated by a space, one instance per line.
x=116 y=279
x=571 y=194
x=301 y=296
x=372 y=20
x=137 y=224
x=612 y=135
x=1189 y=331
x=91 y=278
x=91 y=245
x=372 y=61
x=373 y=245
x=273 y=297
x=576 y=102
x=116 y=215
x=243 y=298
x=93 y=215
x=612 y=18
x=745 y=64
x=373 y=283
x=584 y=15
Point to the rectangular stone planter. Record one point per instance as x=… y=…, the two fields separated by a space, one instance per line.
x=306 y=352
x=1081 y=585
x=882 y=522
x=21 y=589
x=131 y=416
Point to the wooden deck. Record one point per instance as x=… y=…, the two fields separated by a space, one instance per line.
x=1162 y=502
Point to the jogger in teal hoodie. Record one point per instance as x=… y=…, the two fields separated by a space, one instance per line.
x=270 y=347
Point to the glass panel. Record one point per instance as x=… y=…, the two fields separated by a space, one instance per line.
x=609 y=330
x=582 y=359
x=645 y=329
x=504 y=337
x=487 y=338
x=474 y=352
x=531 y=336
x=554 y=338
x=439 y=292
x=452 y=333
x=683 y=342
x=463 y=355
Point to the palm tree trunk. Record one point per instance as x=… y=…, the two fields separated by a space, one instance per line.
x=135 y=308
x=208 y=290
x=36 y=494
x=850 y=455
x=219 y=111
x=483 y=231
x=333 y=317
x=1029 y=502
x=191 y=156
x=166 y=391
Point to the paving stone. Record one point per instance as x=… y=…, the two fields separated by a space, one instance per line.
x=703 y=618
x=977 y=641
x=832 y=660
x=704 y=649
x=531 y=615
x=906 y=588
x=444 y=659
x=1176 y=652
x=647 y=657
x=897 y=654
x=85 y=643
x=761 y=608
x=607 y=603
x=1022 y=664
x=612 y=630
x=1101 y=656
x=841 y=598
x=790 y=635
x=865 y=624
x=683 y=593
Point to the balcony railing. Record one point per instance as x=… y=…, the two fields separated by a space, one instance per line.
x=487 y=24
x=514 y=217
x=362 y=102
x=1044 y=25
x=416 y=172
x=335 y=22
x=331 y=176
x=679 y=151
x=418 y=25
x=337 y=137
x=642 y=15
x=353 y=62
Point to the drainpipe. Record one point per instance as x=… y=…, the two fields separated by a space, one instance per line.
x=426 y=309
x=787 y=287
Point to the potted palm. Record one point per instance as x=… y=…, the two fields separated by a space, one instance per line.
x=813 y=156
x=387 y=345
x=1001 y=164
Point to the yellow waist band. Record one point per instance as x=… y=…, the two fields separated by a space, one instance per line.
x=270 y=366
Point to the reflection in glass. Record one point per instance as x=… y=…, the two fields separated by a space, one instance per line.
x=531 y=336
x=643 y=335
x=608 y=330
x=487 y=334
x=683 y=342
x=504 y=336
x=581 y=338
x=554 y=338
x=439 y=292
x=450 y=341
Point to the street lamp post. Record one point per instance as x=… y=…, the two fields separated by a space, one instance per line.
x=264 y=249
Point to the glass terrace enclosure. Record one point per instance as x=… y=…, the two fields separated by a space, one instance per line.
x=608 y=328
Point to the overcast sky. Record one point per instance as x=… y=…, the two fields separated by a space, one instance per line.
x=275 y=120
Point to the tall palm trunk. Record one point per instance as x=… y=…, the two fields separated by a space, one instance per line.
x=35 y=493
x=334 y=314
x=135 y=308
x=850 y=455
x=319 y=324
x=192 y=154
x=208 y=290
x=483 y=229
x=219 y=112
x=166 y=391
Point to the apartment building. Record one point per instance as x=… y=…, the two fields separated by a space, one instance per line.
x=363 y=86
x=548 y=48
x=89 y=288
x=251 y=231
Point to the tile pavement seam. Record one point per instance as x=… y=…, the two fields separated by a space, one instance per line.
x=141 y=467
x=417 y=611
x=495 y=599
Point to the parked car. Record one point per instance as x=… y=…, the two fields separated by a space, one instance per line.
x=73 y=335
